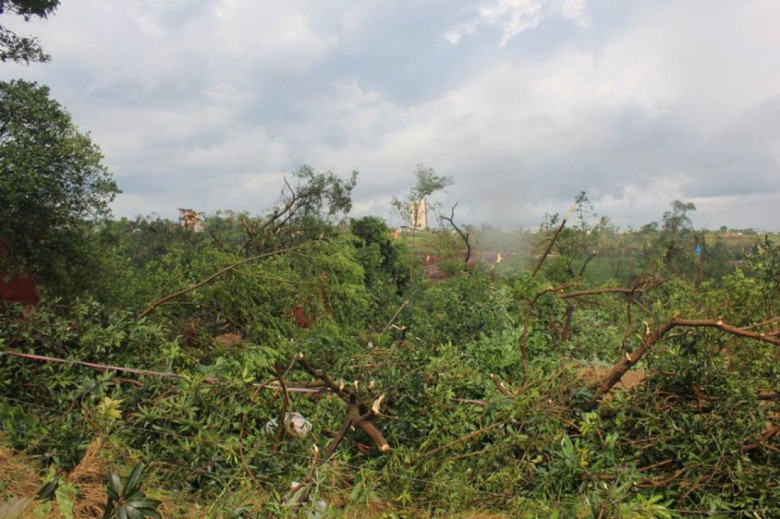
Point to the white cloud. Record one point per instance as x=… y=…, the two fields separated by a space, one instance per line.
x=517 y=16
x=206 y=104
x=453 y=36
x=575 y=10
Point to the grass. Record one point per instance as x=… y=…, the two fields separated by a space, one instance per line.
x=20 y=481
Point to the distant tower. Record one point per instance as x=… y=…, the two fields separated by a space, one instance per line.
x=190 y=220
x=419 y=214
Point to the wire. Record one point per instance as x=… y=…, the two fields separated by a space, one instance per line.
x=150 y=373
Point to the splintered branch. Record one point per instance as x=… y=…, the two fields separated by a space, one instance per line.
x=651 y=338
x=395 y=316
x=358 y=412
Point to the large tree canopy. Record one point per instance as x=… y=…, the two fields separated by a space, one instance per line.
x=52 y=182
x=20 y=48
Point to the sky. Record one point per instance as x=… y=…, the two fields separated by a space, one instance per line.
x=209 y=104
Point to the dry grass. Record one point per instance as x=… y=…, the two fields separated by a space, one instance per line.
x=18 y=477
x=379 y=510
x=89 y=478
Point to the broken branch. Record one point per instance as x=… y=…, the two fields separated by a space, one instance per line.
x=629 y=359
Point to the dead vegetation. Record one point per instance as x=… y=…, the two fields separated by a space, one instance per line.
x=89 y=478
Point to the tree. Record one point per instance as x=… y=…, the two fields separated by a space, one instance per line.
x=379 y=256
x=19 y=48
x=307 y=208
x=677 y=220
x=580 y=243
x=408 y=208
x=675 y=228
x=428 y=182
x=53 y=185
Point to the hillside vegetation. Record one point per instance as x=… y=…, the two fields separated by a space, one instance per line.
x=300 y=363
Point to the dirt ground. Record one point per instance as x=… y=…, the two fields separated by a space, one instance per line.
x=593 y=375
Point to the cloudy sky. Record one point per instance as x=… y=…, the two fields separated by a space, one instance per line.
x=209 y=103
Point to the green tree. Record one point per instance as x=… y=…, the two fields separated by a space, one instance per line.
x=577 y=245
x=20 y=48
x=428 y=183
x=677 y=221
x=308 y=208
x=676 y=229
x=53 y=185
x=380 y=257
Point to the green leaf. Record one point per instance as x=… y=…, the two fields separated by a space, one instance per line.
x=134 y=480
x=237 y=513
x=66 y=495
x=47 y=491
x=144 y=502
x=114 y=486
x=133 y=513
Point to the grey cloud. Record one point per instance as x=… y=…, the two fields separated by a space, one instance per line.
x=208 y=104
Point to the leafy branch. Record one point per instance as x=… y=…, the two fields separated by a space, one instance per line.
x=652 y=337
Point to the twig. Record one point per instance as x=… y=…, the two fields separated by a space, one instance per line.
x=212 y=277
x=395 y=316
x=655 y=465
x=309 y=478
x=282 y=422
x=463 y=234
x=469 y=401
x=762 y=323
x=550 y=245
x=599 y=291
x=766 y=436
x=462 y=439
x=500 y=385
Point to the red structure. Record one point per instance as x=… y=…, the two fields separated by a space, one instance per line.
x=20 y=288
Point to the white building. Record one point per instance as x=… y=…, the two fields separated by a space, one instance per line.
x=419 y=214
